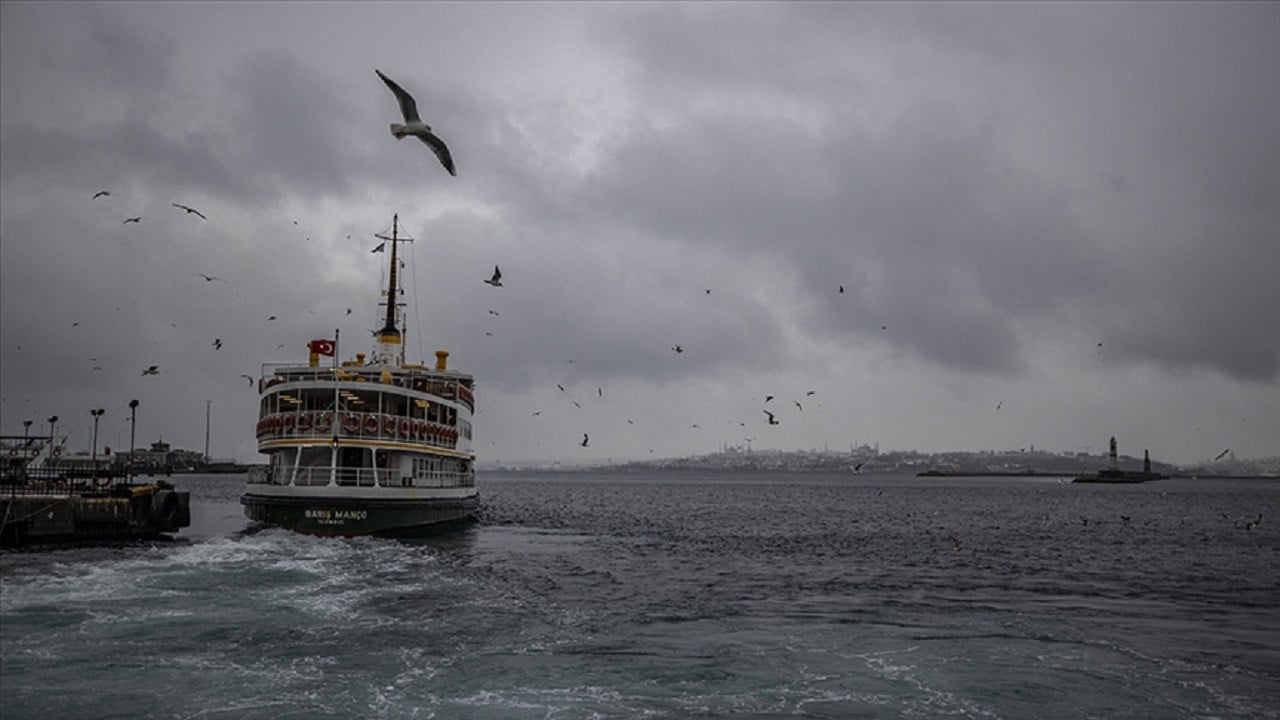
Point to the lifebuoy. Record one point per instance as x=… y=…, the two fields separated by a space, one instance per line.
x=304 y=422
x=324 y=421
x=371 y=424
x=288 y=422
x=405 y=427
x=351 y=423
x=388 y=425
x=419 y=427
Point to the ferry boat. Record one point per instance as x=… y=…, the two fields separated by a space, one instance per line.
x=369 y=446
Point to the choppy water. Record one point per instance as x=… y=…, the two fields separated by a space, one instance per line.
x=677 y=596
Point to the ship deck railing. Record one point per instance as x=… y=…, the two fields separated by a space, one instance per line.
x=60 y=482
x=443 y=385
x=355 y=425
x=357 y=477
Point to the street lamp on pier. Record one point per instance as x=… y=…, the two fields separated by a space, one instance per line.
x=94 y=455
x=133 y=418
x=53 y=423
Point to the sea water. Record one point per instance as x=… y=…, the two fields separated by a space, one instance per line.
x=676 y=595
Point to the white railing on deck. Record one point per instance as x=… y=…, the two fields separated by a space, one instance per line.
x=356 y=426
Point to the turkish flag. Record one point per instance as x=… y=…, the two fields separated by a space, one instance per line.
x=321 y=347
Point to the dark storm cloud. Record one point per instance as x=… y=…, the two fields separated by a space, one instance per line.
x=945 y=200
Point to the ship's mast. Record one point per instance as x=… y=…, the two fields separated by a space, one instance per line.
x=390 y=346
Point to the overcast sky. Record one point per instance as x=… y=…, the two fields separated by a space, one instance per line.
x=1053 y=223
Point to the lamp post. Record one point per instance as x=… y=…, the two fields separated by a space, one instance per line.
x=133 y=418
x=94 y=455
x=26 y=433
x=53 y=423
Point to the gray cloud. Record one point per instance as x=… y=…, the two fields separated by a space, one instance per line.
x=1003 y=187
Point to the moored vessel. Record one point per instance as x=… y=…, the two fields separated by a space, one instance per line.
x=47 y=497
x=369 y=446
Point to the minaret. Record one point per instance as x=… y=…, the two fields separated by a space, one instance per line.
x=1146 y=461
x=1115 y=464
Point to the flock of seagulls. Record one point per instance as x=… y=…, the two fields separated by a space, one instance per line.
x=414 y=126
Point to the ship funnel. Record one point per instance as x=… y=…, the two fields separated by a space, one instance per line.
x=442 y=360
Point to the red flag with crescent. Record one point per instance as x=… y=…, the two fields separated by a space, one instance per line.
x=321 y=347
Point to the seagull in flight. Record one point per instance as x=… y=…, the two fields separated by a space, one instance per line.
x=190 y=210
x=247 y=377
x=585 y=440
x=414 y=126
x=771 y=419
x=493 y=313
x=677 y=349
x=1222 y=454
x=152 y=370
x=101 y=193
x=208 y=278
x=217 y=343
x=348 y=311
x=496 y=280
x=132 y=220
x=379 y=248
x=797 y=402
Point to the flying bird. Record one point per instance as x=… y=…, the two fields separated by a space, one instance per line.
x=414 y=126
x=379 y=248
x=152 y=370
x=600 y=392
x=999 y=404
x=884 y=327
x=560 y=386
x=493 y=313
x=101 y=193
x=771 y=420
x=190 y=210
x=217 y=343
x=677 y=349
x=348 y=311
x=496 y=280
x=132 y=220
x=488 y=334
x=208 y=278
x=1222 y=454
x=270 y=318
x=811 y=392
x=536 y=413
x=575 y=403
x=797 y=402
x=247 y=377
x=842 y=289
x=585 y=440
x=767 y=398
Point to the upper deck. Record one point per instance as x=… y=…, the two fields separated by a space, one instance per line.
x=445 y=385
